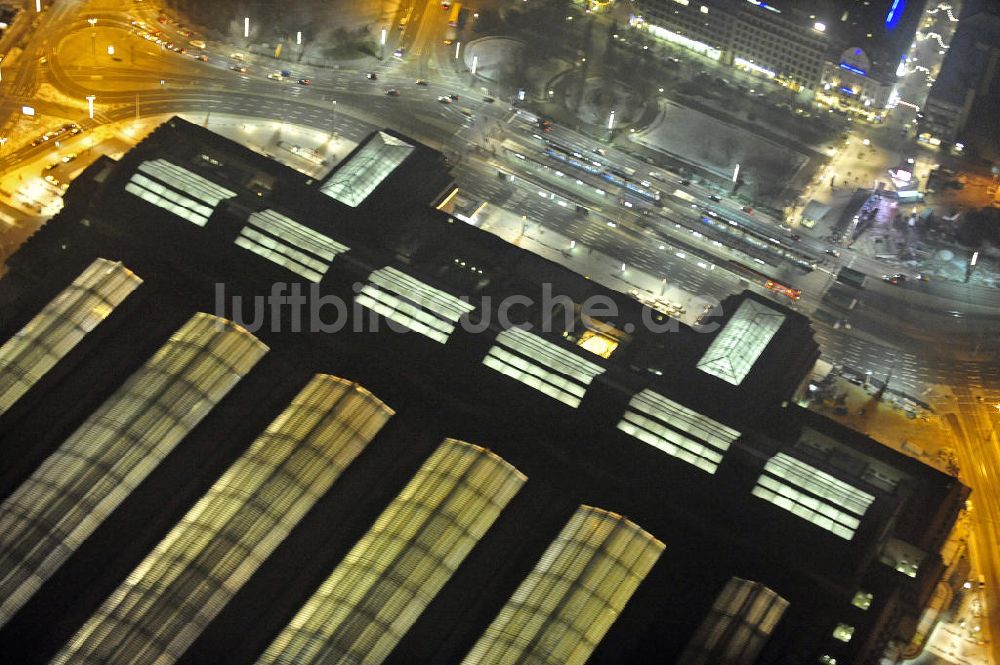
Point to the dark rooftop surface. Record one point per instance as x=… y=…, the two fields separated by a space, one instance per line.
x=712 y=526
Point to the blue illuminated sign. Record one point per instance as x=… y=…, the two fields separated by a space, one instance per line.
x=895 y=13
x=847 y=91
x=852 y=68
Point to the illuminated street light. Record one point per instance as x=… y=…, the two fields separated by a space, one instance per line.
x=736 y=173
x=90 y=105
x=475 y=64
x=383 y=36
x=246 y=27
x=92 y=22
x=298 y=37
x=611 y=120
x=28 y=110
x=38 y=6
x=458 y=45
x=111 y=50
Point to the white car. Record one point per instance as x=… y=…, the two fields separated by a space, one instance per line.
x=444 y=100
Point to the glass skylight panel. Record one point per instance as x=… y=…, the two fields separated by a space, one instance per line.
x=177 y=190
x=284 y=241
x=75 y=489
x=813 y=495
x=380 y=589
x=164 y=605
x=735 y=349
x=358 y=177
x=735 y=630
x=194 y=185
x=545 y=366
x=563 y=609
x=411 y=303
x=677 y=430
x=59 y=327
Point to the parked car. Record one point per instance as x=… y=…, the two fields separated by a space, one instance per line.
x=392 y=92
x=896 y=279
x=371 y=76
x=422 y=82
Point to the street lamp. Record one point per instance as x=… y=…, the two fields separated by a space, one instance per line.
x=458 y=45
x=38 y=6
x=611 y=120
x=90 y=105
x=381 y=53
x=246 y=27
x=298 y=38
x=475 y=64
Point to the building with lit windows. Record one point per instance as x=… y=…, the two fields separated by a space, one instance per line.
x=968 y=84
x=844 y=52
x=247 y=416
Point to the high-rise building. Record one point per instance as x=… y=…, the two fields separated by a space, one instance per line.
x=251 y=417
x=842 y=51
x=968 y=83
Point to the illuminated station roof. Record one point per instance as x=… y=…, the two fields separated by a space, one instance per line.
x=428 y=459
x=366 y=168
x=742 y=339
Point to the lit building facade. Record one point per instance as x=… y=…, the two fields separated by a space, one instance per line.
x=846 y=53
x=197 y=471
x=968 y=83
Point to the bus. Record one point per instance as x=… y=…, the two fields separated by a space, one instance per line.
x=851 y=277
x=760 y=278
x=456 y=10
